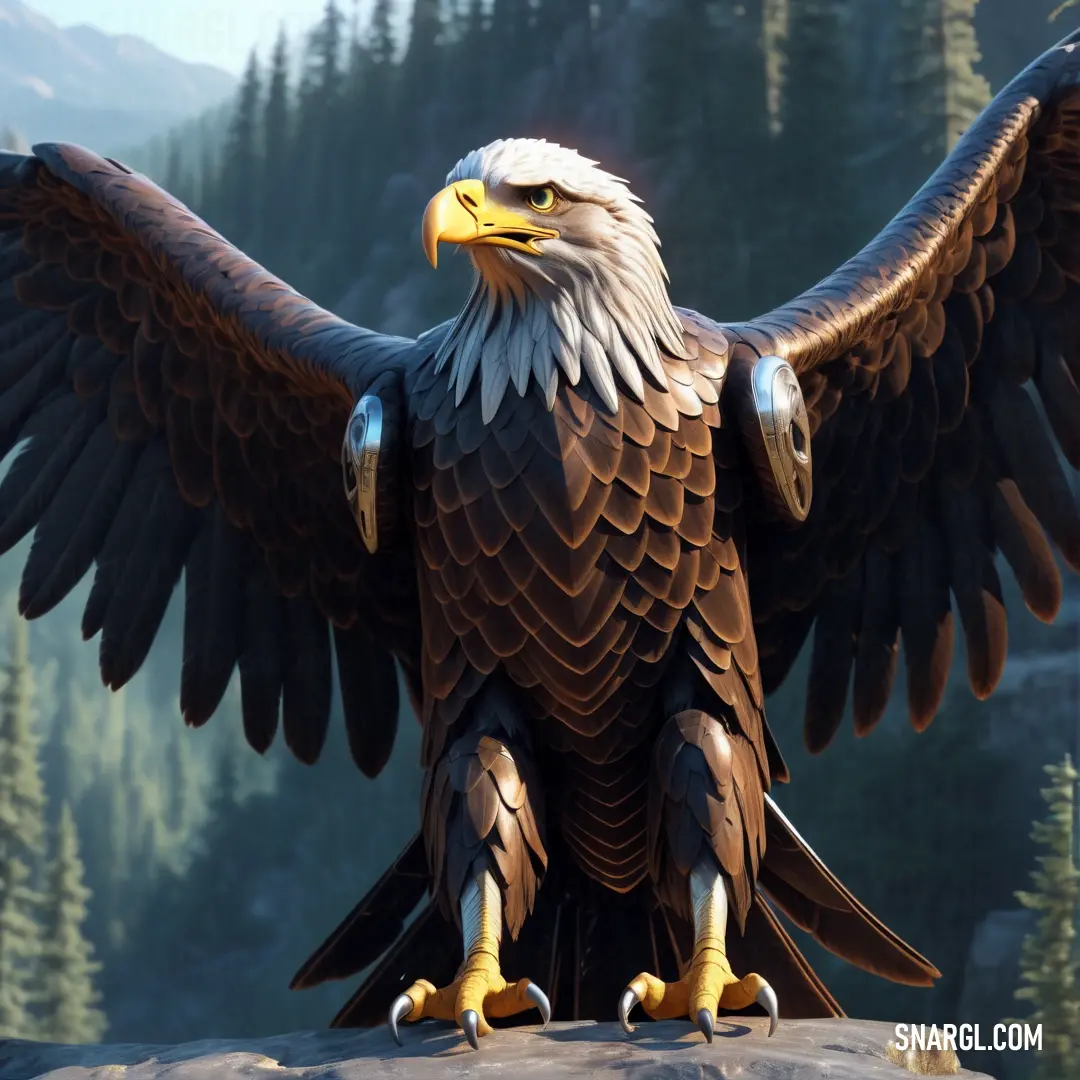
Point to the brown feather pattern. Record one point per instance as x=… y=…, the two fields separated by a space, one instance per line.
x=181 y=343
x=916 y=360
x=594 y=543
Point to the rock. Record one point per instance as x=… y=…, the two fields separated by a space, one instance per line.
x=800 y=1050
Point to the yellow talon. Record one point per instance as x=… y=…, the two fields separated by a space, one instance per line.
x=709 y=985
x=478 y=992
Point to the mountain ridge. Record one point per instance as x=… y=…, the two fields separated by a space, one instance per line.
x=80 y=84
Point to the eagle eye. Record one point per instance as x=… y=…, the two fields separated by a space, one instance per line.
x=542 y=198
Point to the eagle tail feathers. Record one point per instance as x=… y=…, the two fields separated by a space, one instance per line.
x=796 y=880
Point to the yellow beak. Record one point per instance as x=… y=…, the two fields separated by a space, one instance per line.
x=462 y=214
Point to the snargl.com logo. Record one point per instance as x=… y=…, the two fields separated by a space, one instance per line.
x=968 y=1037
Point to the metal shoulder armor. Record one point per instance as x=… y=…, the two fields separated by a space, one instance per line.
x=369 y=455
x=775 y=429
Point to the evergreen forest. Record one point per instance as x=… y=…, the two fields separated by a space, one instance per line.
x=172 y=880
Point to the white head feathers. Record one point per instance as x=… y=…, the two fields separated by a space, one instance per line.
x=594 y=303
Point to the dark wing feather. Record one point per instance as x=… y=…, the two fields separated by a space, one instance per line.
x=181 y=413
x=922 y=360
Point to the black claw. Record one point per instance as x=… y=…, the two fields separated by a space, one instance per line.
x=705 y=1022
x=470 y=1021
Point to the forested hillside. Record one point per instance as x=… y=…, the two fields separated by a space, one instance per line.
x=770 y=139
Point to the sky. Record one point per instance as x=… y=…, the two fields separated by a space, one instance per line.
x=218 y=32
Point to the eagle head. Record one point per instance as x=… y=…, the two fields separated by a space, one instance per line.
x=569 y=279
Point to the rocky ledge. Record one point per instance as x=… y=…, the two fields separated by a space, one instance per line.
x=800 y=1050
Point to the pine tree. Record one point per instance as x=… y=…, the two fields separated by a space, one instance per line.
x=935 y=53
x=240 y=173
x=383 y=97
x=775 y=22
x=113 y=824
x=422 y=70
x=70 y=1007
x=966 y=93
x=819 y=128
x=511 y=40
x=560 y=26
x=120 y=862
x=22 y=833
x=1049 y=965
x=174 y=166
x=179 y=774
x=381 y=34
x=143 y=804
x=710 y=251
x=356 y=137
x=466 y=81
x=20 y=950
x=209 y=195
x=668 y=111
x=275 y=192
x=329 y=197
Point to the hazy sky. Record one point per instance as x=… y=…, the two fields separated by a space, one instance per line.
x=219 y=32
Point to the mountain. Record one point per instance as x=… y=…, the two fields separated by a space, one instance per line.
x=107 y=91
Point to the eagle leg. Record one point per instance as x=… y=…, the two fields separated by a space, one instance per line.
x=705 y=836
x=479 y=991
x=482 y=829
x=709 y=984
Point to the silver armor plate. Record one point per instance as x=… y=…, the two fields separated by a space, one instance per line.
x=360 y=466
x=785 y=429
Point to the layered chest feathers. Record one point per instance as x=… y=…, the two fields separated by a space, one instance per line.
x=569 y=544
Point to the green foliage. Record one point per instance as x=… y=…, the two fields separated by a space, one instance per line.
x=22 y=831
x=1049 y=964
x=966 y=92
x=938 y=55
x=70 y=1001
x=20 y=950
x=22 y=793
x=46 y=972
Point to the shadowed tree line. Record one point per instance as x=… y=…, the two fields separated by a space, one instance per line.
x=715 y=109
x=1050 y=960
x=47 y=969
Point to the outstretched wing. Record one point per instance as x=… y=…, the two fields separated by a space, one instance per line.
x=181 y=411
x=924 y=361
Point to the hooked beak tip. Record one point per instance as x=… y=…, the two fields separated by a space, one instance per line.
x=450 y=217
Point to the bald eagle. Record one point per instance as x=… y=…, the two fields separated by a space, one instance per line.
x=592 y=529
